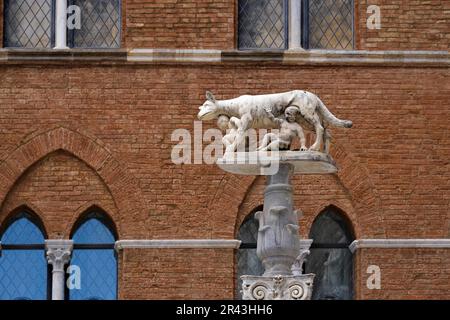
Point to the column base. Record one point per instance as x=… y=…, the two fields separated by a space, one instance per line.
x=298 y=287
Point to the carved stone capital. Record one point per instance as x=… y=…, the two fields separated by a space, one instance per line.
x=58 y=253
x=277 y=287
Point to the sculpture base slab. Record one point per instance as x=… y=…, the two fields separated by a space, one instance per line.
x=267 y=163
x=298 y=287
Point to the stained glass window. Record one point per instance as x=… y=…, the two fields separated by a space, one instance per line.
x=331 y=259
x=95 y=256
x=23 y=266
x=248 y=262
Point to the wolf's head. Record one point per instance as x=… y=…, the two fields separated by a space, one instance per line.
x=208 y=111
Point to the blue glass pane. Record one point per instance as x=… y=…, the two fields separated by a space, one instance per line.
x=23 y=231
x=98 y=270
x=98 y=267
x=23 y=273
x=93 y=231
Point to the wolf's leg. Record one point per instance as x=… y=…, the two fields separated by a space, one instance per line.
x=326 y=141
x=301 y=135
x=319 y=133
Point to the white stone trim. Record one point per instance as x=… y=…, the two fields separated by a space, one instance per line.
x=178 y=244
x=174 y=55
x=440 y=59
x=399 y=243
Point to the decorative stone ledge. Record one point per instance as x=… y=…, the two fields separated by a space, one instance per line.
x=174 y=56
x=178 y=244
x=201 y=56
x=97 y=56
x=399 y=243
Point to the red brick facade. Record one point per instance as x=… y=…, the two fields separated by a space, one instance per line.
x=82 y=134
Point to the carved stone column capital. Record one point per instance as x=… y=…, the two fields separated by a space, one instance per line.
x=58 y=253
x=277 y=287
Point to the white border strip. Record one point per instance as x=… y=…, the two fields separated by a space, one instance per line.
x=399 y=243
x=178 y=244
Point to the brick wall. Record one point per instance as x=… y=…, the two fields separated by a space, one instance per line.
x=177 y=274
x=115 y=125
x=205 y=24
x=405 y=273
x=405 y=25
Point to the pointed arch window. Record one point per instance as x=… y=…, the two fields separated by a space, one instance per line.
x=247 y=262
x=331 y=259
x=23 y=266
x=95 y=258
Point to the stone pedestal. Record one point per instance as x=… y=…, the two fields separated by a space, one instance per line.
x=278 y=245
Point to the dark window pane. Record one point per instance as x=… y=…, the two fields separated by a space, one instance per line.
x=100 y=24
x=98 y=266
x=248 y=262
x=28 y=23
x=330 y=24
x=23 y=273
x=262 y=24
x=333 y=267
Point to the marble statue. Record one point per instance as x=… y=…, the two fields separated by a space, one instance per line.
x=289 y=129
x=252 y=112
x=278 y=246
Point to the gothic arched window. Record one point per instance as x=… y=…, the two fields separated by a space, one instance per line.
x=23 y=266
x=94 y=259
x=331 y=259
x=247 y=261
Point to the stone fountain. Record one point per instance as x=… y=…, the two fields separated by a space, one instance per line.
x=279 y=246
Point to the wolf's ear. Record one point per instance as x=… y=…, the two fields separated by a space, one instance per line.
x=210 y=96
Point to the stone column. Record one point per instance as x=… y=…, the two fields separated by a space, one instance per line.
x=278 y=237
x=58 y=255
x=61 y=25
x=279 y=245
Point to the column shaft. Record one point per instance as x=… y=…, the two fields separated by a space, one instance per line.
x=61 y=25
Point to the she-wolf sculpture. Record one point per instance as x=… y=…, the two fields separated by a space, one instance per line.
x=253 y=112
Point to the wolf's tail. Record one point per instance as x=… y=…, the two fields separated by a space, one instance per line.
x=331 y=118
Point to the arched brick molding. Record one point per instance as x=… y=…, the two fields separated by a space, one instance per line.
x=122 y=186
x=364 y=210
x=366 y=202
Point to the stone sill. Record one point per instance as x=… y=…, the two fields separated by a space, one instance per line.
x=178 y=244
x=400 y=244
x=45 y=56
x=174 y=56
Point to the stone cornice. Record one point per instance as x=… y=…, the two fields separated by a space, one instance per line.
x=399 y=243
x=178 y=244
x=193 y=56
